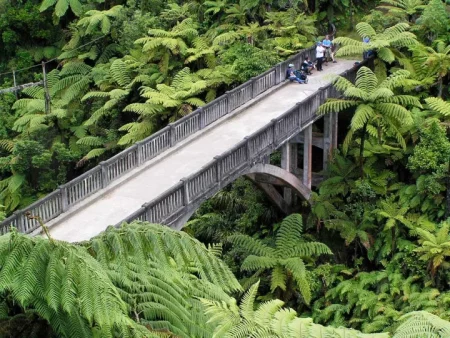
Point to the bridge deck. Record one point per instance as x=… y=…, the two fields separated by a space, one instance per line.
x=145 y=183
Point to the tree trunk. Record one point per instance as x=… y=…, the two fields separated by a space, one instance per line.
x=361 y=150
x=440 y=86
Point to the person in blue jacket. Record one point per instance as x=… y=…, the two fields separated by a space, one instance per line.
x=328 y=45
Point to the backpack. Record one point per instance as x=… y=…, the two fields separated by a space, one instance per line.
x=300 y=75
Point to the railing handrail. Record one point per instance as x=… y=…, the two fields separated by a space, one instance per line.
x=99 y=177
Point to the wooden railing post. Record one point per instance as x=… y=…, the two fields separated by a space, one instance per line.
x=64 y=197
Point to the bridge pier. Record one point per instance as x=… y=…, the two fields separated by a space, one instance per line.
x=327 y=141
x=307 y=156
x=289 y=163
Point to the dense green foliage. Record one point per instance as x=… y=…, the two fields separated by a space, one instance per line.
x=371 y=253
x=126 y=282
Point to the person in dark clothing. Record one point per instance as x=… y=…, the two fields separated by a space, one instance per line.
x=290 y=74
x=307 y=66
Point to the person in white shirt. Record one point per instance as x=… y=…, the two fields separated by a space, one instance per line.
x=320 y=50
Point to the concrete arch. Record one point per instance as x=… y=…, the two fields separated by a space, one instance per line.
x=263 y=175
x=286 y=178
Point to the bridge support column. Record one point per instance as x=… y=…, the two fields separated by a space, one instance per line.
x=327 y=136
x=289 y=163
x=330 y=128
x=307 y=156
x=334 y=131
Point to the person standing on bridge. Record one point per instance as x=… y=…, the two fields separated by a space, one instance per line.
x=319 y=56
x=328 y=45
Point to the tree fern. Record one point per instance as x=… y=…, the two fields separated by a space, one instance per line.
x=377 y=107
x=95 y=20
x=285 y=258
x=61 y=6
x=384 y=43
x=64 y=285
x=269 y=320
x=422 y=324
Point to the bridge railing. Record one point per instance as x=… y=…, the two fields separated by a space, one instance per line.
x=204 y=182
x=75 y=191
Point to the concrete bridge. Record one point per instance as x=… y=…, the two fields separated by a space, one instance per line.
x=166 y=177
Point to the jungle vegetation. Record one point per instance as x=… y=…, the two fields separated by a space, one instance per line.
x=369 y=257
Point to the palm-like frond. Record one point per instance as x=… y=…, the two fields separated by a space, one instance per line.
x=62 y=282
x=420 y=323
x=270 y=320
x=379 y=111
x=384 y=43
x=286 y=258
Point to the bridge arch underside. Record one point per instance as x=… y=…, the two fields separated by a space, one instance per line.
x=265 y=176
